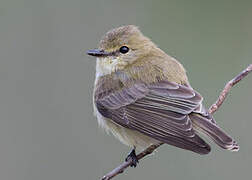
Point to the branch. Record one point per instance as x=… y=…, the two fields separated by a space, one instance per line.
x=227 y=88
x=120 y=169
x=124 y=165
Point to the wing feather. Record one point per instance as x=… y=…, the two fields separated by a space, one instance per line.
x=159 y=110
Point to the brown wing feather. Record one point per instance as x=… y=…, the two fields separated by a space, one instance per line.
x=158 y=110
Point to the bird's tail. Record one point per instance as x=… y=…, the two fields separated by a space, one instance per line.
x=208 y=126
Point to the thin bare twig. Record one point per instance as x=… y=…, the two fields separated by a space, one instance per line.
x=227 y=88
x=120 y=169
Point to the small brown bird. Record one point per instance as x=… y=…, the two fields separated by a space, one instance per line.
x=143 y=97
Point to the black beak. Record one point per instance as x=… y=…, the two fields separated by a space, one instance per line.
x=97 y=52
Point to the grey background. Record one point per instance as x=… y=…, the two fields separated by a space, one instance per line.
x=47 y=128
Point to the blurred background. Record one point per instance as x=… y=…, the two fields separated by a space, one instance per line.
x=47 y=127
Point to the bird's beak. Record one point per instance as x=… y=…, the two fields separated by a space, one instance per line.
x=97 y=53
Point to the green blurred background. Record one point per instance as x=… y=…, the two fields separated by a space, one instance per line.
x=47 y=127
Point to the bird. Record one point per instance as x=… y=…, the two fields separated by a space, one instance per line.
x=143 y=97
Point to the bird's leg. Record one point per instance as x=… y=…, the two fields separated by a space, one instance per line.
x=132 y=155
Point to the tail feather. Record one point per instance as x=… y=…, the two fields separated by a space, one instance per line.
x=206 y=125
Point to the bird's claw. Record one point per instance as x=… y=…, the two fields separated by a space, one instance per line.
x=133 y=157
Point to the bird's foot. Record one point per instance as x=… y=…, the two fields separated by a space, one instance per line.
x=133 y=157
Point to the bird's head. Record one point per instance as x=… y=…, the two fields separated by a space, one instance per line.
x=121 y=47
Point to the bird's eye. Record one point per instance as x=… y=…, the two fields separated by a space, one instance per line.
x=124 y=49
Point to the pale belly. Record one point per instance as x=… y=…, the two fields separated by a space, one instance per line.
x=129 y=137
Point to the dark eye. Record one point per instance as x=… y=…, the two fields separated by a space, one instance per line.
x=124 y=49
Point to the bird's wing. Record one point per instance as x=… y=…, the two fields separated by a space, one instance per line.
x=159 y=110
